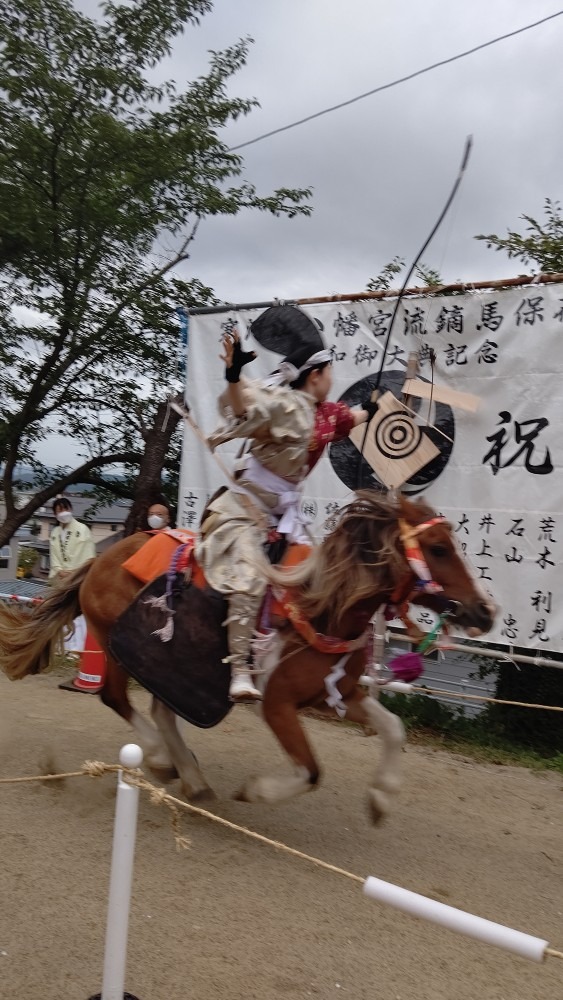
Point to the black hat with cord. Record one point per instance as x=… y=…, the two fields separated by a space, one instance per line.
x=284 y=329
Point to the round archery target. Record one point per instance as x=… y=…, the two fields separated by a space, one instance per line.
x=397 y=436
x=396 y=439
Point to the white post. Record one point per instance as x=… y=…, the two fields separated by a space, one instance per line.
x=124 y=831
x=525 y=945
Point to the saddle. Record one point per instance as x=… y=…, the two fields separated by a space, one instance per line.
x=171 y=638
x=187 y=672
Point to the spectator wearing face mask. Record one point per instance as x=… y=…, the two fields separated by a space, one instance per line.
x=70 y=544
x=158 y=516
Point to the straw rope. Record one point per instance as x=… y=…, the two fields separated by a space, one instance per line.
x=90 y=769
x=158 y=796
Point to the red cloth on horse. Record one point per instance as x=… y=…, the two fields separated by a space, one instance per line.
x=294 y=555
x=154 y=558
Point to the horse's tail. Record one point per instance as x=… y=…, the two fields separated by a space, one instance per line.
x=28 y=640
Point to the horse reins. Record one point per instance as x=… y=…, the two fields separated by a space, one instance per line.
x=419 y=579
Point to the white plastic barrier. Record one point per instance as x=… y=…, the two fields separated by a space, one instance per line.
x=121 y=878
x=525 y=945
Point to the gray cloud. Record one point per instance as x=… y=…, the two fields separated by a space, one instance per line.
x=381 y=169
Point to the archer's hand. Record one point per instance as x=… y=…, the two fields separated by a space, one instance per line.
x=370 y=406
x=228 y=342
x=234 y=357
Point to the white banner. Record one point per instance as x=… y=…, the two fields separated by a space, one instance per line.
x=497 y=472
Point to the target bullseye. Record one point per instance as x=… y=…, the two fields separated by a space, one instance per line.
x=397 y=436
x=396 y=447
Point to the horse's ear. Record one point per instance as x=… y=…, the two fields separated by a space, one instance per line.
x=404 y=507
x=413 y=511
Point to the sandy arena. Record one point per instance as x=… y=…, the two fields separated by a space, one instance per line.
x=234 y=919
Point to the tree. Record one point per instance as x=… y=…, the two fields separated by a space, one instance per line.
x=104 y=179
x=27 y=558
x=429 y=277
x=543 y=246
x=160 y=450
x=383 y=281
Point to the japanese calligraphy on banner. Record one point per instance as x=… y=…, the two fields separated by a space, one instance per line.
x=496 y=474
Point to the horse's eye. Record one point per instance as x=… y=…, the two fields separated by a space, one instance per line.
x=439 y=551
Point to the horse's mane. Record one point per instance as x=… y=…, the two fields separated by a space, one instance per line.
x=360 y=558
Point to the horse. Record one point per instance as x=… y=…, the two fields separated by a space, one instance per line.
x=359 y=566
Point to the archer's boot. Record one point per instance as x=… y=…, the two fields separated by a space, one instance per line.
x=242 y=687
x=243 y=613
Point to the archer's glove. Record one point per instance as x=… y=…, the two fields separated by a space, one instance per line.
x=370 y=407
x=240 y=359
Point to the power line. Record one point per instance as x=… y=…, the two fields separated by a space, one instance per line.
x=395 y=83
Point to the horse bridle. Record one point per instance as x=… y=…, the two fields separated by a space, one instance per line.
x=419 y=580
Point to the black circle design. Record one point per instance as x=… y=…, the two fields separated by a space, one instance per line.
x=397 y=435
x=344 y=455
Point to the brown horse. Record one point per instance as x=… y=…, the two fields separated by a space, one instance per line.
x=359 y=566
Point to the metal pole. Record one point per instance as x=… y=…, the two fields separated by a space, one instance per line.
x=391 y=293
x=492 y=654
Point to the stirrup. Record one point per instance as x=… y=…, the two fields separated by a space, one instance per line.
x=242 y=689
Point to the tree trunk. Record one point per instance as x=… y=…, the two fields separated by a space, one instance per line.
x=148 y=488
x=18 y=517
x=9 y=527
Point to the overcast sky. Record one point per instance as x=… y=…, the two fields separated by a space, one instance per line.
x=382 y=168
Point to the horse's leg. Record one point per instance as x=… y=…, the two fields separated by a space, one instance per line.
x=114 y=695
x=377 y=719
x=194 y=785
x=284 y=723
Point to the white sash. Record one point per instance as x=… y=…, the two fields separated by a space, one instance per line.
x=288 y=518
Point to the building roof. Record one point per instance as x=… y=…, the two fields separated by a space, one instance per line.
x=115 y=513
x=22 y=588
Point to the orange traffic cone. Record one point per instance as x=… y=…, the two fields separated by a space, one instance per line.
x=92 y=669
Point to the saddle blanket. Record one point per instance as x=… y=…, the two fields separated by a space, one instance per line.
x=155 y=557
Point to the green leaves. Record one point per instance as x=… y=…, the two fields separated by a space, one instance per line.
x=429 y=276
x=543 y=246
x=100 y=169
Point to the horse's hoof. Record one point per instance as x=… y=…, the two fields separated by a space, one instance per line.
x=164 y=774
x=202 y=795
x=377 y=804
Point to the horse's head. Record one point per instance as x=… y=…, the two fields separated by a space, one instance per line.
x=400 y=552
x=436 y=574
x=380 y=552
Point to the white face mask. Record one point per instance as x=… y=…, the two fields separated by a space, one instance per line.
x=156 y=521
x=64 y=516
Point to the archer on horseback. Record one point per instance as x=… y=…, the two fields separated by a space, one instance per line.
x=288 y=423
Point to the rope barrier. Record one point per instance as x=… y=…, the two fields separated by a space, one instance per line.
x=479 y=697
x=90 y=769
x=158 y=796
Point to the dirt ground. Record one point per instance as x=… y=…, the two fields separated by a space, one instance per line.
x=232 y=918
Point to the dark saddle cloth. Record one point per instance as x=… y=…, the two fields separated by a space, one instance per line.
x=187 y=673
